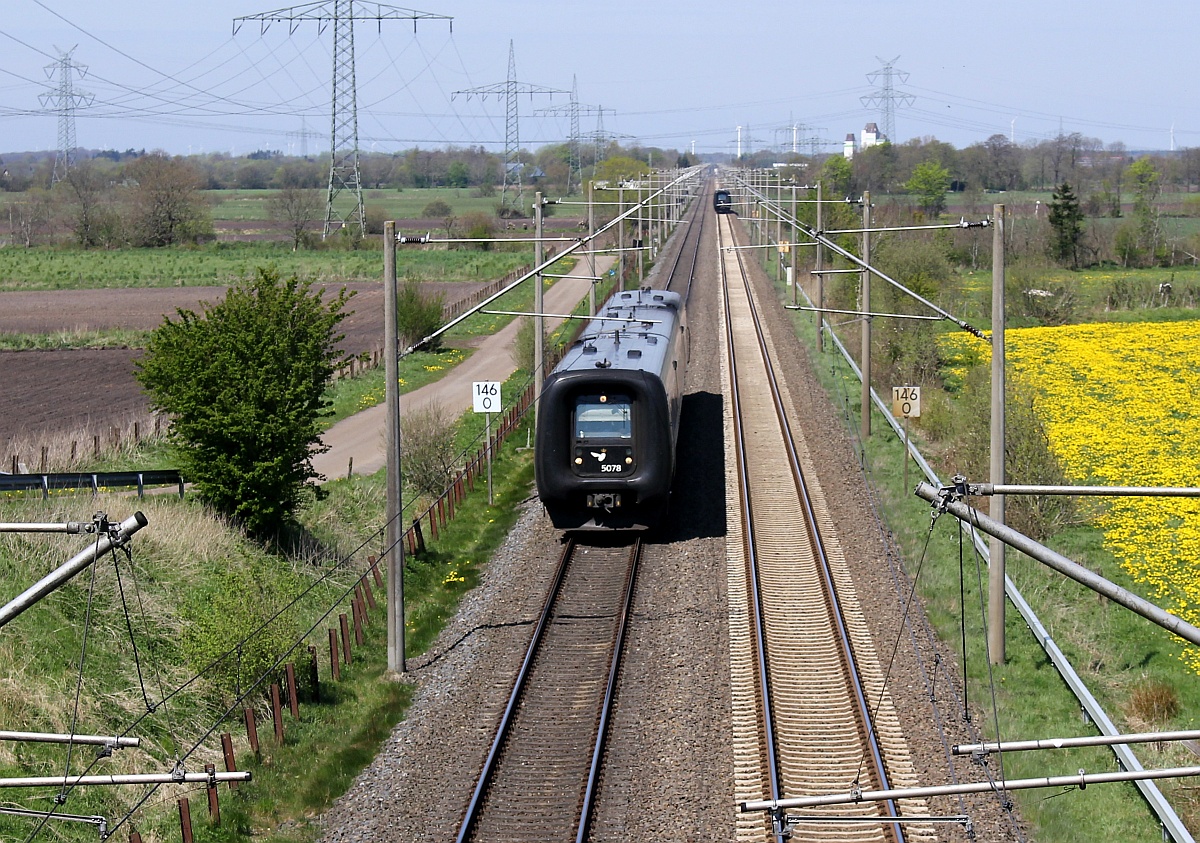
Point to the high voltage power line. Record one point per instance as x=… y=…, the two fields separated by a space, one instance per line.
x=65 y=99
x=512 y=135
x=885 y=97
x=344 y=172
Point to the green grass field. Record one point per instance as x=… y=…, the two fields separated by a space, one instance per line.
x=221 y=264
x=251 y=205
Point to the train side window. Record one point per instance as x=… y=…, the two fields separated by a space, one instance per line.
x=602 y=417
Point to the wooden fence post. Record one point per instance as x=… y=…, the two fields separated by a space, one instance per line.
x=335 y=668
x=214 y=803
x=344 y=622
x=185 y=819
x=277 y=712
x=314 y=676
x=293 y=699
x=230 y=762
x=252 y=732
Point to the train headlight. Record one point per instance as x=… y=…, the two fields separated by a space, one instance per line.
x=629 y=461
x=579 y=461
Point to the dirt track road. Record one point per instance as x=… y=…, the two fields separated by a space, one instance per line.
x=360 y=437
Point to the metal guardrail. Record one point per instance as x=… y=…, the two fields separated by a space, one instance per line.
x=94 y=481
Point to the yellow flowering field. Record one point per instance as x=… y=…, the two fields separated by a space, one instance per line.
x=1121 y=405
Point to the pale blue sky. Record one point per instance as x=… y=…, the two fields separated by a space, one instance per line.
x=172 y=75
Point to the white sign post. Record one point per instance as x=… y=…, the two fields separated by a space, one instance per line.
x=906 y=403
x=486 y=399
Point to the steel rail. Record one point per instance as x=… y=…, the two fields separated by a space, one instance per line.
x=748 y=542
x=810 y=522
x=474 y=807
x=697 y=213
x=610 y=694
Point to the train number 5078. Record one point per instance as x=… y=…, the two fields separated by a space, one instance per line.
x=610 y=468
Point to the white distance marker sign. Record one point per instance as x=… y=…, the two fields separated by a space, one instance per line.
x=486 y=396
x=906 y=401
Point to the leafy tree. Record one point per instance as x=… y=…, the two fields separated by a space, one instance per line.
x=458 y=174
x=930 y=181
x=244 y=385
x=1066 y=218
x=298 y=207
x=837 y=174
x=1146 y=188
x=619 y=168
x=875 y=167
x=167 y=207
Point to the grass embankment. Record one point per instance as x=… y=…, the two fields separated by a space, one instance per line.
x=188 y=575
x=1131 y=666
x=194 y=575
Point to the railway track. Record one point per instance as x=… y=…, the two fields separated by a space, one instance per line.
x=809 y=709
x=542 y=773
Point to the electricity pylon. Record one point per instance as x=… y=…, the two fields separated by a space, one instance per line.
x=65 y=99
x=344 y=173
x=600 y=137
x=512 y=136
x=575 y=177
x=885 y=97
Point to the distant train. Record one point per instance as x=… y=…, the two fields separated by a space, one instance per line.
x=723 y=202
x=608 y=418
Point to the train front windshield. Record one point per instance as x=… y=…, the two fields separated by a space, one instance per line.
x=603 y=417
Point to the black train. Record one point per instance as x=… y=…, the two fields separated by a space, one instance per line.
x=722 y=202
x=608 y=418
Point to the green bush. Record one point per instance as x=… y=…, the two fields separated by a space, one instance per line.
x=430 y=456
x=480 y=226
x=437 y=209
x=244 y=383
x=419 y=315
x=226 y=626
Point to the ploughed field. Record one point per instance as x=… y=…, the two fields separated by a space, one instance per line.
x=44 y=393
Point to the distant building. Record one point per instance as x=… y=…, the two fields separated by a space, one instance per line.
x=871 y=136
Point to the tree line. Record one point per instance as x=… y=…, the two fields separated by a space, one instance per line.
x=1099 y=171
x=110 y=199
